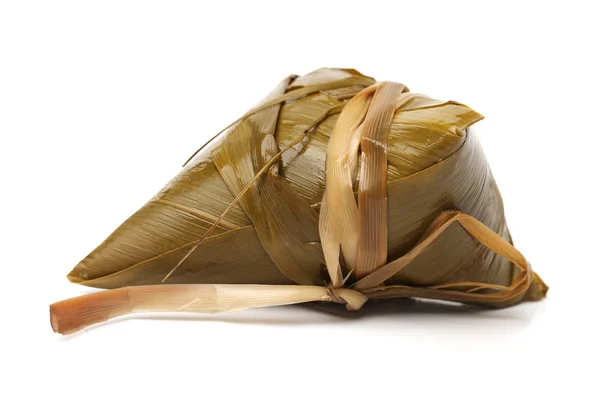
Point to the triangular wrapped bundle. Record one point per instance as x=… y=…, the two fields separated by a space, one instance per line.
x=334 y=188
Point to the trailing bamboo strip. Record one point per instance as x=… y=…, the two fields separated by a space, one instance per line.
x=74 y=314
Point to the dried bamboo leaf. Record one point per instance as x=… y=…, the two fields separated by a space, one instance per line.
x=179 y=214
x=284 y=222
x=213 y=261
x=326 y=75
x=423 y=136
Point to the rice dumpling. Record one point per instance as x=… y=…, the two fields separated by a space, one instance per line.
x=335 y=187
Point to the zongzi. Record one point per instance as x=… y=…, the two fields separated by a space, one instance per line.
x=334 y=188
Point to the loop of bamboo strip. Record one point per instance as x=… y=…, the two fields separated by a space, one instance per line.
x=481 y=233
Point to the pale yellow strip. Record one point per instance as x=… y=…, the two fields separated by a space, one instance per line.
x=74 y=314
x=372 y=189
x=338 y=217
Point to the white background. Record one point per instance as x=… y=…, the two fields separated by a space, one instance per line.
x=101 y=102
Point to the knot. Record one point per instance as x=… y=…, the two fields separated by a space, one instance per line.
x=353 y=299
